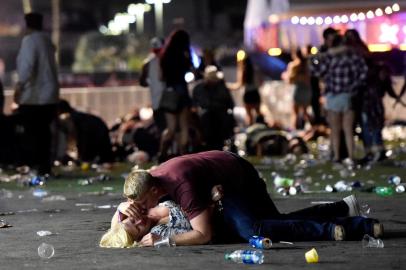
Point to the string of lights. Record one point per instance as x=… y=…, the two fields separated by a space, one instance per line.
x=345 y=18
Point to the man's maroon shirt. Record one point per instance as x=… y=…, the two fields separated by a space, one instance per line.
x=189 y=179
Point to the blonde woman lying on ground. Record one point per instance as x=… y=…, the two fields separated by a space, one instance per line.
x=160 y=223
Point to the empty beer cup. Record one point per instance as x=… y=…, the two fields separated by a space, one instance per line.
x=312 y=256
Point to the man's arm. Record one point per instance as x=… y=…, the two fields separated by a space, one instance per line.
x=201 y=233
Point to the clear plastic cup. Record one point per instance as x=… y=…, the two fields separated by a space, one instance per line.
x=46 y=251
x=370 y=242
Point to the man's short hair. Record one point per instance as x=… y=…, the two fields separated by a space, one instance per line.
x=137 y=183
x=34 y=20
x=329 y=31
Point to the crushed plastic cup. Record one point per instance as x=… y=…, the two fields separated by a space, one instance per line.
x=329 y=188
x=365 y=210
x=370 y=242
x=400 y=189
x=39 y=193
x=46 y=251
x=44 y=233
x=312 y=256
x=292 y=191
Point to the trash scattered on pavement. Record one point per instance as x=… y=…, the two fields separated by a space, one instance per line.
x=107 y=206
x=28 y=210
x=46 y=251
x=285 y=242
x=260 y=242
x=394 y=180
x=245 y=256
x=370 y=242
x=5 y=194
x=44 y=233
x=92 y=180
x=4 y=224
x=400 y=189
x=312 y=256
x=39 y=193
x=384 y=191
x=365 y=210
x=54 y=198
x=6 y=213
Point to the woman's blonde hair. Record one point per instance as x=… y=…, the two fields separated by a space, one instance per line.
x=117 y=237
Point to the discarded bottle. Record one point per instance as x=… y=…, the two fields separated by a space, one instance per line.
x=370 y=242
x=394 y=180
x=260 y=242
x=283 y=181
x=36 y=181
x=246 y=256
x=46 y=251
x=384 y=191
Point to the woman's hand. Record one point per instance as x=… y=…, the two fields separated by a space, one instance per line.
x=132 y=209
x=149 y=240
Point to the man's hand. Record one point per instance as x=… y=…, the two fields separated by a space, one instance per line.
x=132 y=209
x=149 y=240
x=217 y=193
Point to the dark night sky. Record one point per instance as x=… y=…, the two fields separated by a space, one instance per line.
x=85 y=15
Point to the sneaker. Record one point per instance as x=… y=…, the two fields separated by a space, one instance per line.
x=353 y=206
x=339 y=233
x=378 y=230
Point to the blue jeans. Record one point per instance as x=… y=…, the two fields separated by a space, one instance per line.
x=370 y=136
x=310 y=224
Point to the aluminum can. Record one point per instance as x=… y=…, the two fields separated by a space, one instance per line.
x=260 y=242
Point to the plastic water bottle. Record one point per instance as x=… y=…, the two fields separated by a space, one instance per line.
x=384 y=191
x=246 y=256
x=283 y=181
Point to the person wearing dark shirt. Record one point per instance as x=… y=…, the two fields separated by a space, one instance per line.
x=175 y=62
x=247 y=207
x=214 y=104
x=89 y=133
x=372 y=110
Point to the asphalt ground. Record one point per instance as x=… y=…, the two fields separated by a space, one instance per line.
x=78 y=222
